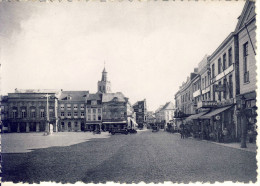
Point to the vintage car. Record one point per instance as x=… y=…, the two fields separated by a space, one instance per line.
x=155 y=129
x=132 y=131
x=120 y=131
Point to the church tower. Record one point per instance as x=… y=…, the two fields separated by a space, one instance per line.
x=104 y=86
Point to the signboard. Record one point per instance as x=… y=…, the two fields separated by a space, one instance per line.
x=207 y=104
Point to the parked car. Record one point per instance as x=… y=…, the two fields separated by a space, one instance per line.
x=120 y=131
x=132 y=131
x=155 y=129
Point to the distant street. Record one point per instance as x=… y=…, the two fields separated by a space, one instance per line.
x=145 y=156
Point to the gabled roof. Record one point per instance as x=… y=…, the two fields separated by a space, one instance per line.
x=107 y=97
x=74 y=95
x=246 y=15
x=168 y=106
x=96 y=96
x=37 y=91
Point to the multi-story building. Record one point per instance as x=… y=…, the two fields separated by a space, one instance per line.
x=114 y=109
x=141 y=113
x=32 y=110
x=226 y=97
x=222 y=91
x=94 y=112
x=72 y=110
x=151 y=119
x=246 y=69
x=165 y=114
x=4 y=113
x=51 y=110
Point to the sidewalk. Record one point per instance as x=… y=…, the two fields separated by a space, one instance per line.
x=251 y=147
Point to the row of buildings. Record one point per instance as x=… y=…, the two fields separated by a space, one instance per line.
x=220 y=94
x=59 y=110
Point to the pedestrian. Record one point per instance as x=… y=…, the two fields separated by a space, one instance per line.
x=182 y=134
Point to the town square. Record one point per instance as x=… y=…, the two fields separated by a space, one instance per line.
x=146 y=98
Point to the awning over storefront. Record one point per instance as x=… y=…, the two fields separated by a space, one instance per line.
x=133 y=121
x=214 y=112
x=195 y=116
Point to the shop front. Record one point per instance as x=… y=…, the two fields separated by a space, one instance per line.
x=246 y=116
x=219 y=124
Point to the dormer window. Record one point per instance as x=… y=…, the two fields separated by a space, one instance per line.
x=93 y=102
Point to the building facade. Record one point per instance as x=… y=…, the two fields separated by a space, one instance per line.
x=165 y=115
x=71 y=111
x=94 y=112
x=141 y=113
x=226 y=97
x=32 y=111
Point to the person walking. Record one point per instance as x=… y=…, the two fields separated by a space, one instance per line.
x=182 y=131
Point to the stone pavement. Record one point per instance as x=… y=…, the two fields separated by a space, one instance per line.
x=251 y=147
x=26 y=142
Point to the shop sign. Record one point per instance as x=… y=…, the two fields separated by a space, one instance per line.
x=225 y=102
x=207 y=104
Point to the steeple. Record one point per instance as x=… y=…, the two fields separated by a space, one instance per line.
x=104 y=85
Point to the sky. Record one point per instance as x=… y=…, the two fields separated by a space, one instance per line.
x=149 y=48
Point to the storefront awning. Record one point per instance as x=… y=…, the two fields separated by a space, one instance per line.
x=214 y=112
x=133 y=121
x=195 y=116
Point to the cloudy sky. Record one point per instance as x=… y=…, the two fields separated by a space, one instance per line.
x=149 y=47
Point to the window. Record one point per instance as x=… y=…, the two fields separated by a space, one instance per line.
x=68 y=106
x=23 y=113
x=62 y=114
x=139 y=110
x=75 y=114
x=69 y=114
x=230 y=57
x=219 y=93
x=224 y=61
x=42 y=114
x=225 y=86
x=62 y=107
x=219 y=65
x=89 y=117
x=82 y=114
x=93 y=102
x=213 y=70
x=76 y=124
x=82 y=106
x=94 y=117
x=99 y=117
x=245 y=58
x=33 y=113
x=94 y=110
x=75 y=107
x=230 y=87
x=15 y=114
x=205 y=81
x=202 y=83
x=51 y=112
x=89 y=110
x=99 y=110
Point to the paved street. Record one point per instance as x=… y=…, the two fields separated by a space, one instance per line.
x=146 y=156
